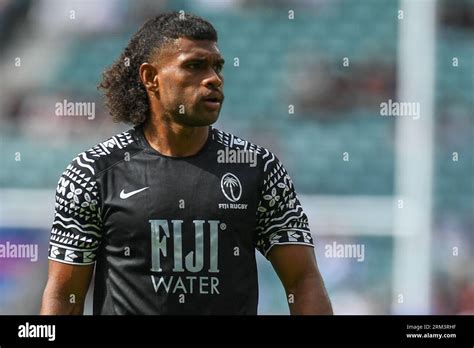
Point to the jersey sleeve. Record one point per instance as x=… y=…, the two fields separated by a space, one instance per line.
x=77 y=226
x=280 y=216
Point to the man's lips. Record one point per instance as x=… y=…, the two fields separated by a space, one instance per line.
x=213 y=100
x=212 y=104
x=215 y=97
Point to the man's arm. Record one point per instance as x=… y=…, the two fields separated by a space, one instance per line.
x=298 y=271
x=66 y=289
x=75 y=238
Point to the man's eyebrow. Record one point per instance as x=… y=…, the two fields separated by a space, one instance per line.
x=200 y=58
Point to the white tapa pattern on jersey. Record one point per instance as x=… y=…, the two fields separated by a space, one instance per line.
x=280 y=217
x=77 y=225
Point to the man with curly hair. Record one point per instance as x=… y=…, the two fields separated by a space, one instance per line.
x=171 y=211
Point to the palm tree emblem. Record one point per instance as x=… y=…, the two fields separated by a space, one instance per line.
x=231 y=187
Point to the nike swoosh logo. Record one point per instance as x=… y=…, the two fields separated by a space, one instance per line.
x=124 y=195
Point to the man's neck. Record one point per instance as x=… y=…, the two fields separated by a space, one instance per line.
x=174 y=140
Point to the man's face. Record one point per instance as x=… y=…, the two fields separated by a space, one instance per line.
x=190 y=82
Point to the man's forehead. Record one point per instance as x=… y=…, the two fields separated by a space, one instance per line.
x=184 y=48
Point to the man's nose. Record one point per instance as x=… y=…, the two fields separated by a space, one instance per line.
x=214 y=80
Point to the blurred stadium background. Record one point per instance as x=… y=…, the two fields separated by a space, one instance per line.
x=309 y=88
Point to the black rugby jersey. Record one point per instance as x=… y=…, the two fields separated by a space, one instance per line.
x=174 y=235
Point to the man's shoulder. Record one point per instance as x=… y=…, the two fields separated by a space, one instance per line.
x=234 y=142
x=106 y=154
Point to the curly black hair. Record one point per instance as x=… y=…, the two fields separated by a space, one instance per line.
x=126 y=97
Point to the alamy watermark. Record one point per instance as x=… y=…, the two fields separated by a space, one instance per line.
x=19 y=251
x=28 y=330
x=404 y=109
x=237 y=156
x=346 y=251
x=68 y=108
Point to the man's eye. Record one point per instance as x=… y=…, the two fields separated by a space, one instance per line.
x=218 y=68
x=194 y=65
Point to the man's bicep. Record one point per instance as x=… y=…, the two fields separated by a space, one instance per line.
x=70 y=279
x=297 y=268
x=293 y=263
x=66 y=288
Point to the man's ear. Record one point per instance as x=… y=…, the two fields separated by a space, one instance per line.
x=149 y=76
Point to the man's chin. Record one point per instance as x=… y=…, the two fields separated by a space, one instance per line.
x=201 y=120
